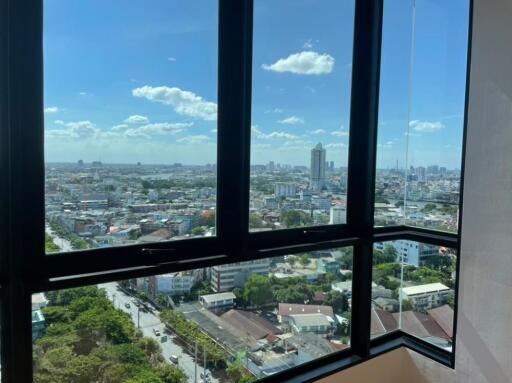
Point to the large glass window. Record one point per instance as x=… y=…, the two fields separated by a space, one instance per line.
x=231 y=323
x=413 y=290
x=130 y=121
x=300 y=113
x=421 y=117
x=130 y=144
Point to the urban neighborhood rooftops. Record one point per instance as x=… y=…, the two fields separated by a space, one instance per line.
x=286 y=309
x=308 y=320
x=210 y=298
x=250 y=323
x=443 y=315
x=424 y=289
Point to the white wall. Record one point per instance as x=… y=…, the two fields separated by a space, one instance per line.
x=484 y=343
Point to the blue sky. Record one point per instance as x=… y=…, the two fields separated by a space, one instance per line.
x=137 y=81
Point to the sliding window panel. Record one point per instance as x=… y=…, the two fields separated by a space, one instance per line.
x=300 y=113
x=130 y=122
x=421 y=116
x=233 y=322
x=413 y=290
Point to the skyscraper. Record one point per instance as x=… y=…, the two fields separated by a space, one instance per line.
x=317 y=167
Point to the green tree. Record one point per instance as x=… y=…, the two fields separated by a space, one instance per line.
x=257 y=290
x=429 y=207
x=50 y=246
x=56 y=315
x=337 y=300
x=255 y=221
x=406 y=305
x=304 y=260
x=171 y=374
x=198 y=230
x=295 y=218
x=237 y=373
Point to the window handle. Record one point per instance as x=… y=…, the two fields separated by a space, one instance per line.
x=313 y=231
x=158 y=251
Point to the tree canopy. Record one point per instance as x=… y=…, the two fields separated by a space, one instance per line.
x=88 y=340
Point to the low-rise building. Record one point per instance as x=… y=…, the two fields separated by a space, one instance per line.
x=218 y=301
x=286 y=310
x=179 y=283
x=426 y=297
x=317 y=323
x=227 y=277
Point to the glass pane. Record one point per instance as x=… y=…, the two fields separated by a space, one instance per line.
x=413 y=290
x=233 y=323
x=300 y=113
x=422 y=99
x=130 y=121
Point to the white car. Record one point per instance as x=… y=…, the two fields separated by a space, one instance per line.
x=156 y=331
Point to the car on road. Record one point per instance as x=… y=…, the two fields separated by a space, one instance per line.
x=136 y=303
x=156 y=331
x=127 y=305
x=174 y=359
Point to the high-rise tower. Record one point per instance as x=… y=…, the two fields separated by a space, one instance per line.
x=317 y=180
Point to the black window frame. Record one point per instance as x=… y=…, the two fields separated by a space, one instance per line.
x=26 y=269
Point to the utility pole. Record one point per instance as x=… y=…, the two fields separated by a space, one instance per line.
x=204 y=362
x=195 y=364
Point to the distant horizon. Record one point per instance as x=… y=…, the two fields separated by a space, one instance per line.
x=214 y=164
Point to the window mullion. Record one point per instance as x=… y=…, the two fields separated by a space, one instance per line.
x=361 y=163
x=234 y=123
x=24 y=176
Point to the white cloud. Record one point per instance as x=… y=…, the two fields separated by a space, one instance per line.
x=84 y=94
x=137 y=119
x=146 y=131
x=337 y=145
x=214 y=130
x=386 y=145
x=51 y=109
x=341 y=132
x=261 y=146
x=59 y=122
x=86 y=130
x=184 y=102
x=308 y=44
x=426 y=126
x=199 y=139
x=272 y=136
x=307 y=62
x=78 y=129
x=275 y=110
x=292 y=120
x=317 y=131
x=171 y=59
x=120 y=128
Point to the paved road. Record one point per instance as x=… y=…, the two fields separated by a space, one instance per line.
x=64 y=244
x=150 y=321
